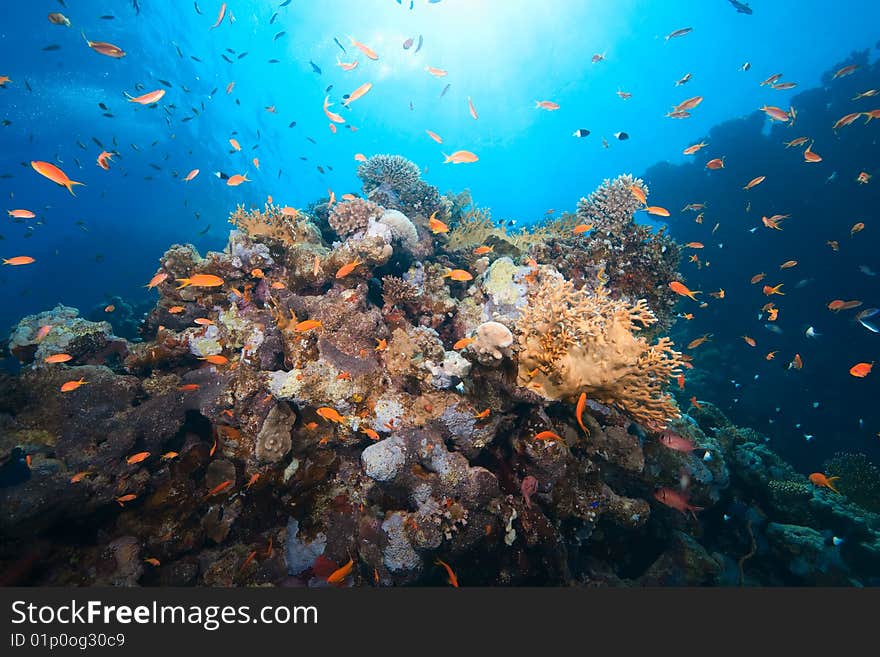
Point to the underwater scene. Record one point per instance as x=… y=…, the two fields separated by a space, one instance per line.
x=369 y=293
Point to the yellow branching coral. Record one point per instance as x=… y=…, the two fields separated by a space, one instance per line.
x=476 y=227
x=573 y=341
x=271 y=222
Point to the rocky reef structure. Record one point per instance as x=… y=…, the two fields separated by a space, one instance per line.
x=343 y=384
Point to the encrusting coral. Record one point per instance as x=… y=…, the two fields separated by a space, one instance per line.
x=572 y=341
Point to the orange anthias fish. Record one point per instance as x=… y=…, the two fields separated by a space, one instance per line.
x=458 y=275
x=436 y=225
x=861 y=370
x=819 y=479
x=237 y=179
x=810 y=156
x=690 y=150
x=219 y=488
x=56 y=175
x=346 y=269
x=773 y=222
x=749 y=341
x=192 y=174
x=453 y=580
x=105 y=48
x=775 y=113
x=125 y=498
x=717 y=163
x=548 y=105
x=579 y=411
x=856 y=228
x=863 y=178
x=757 y=278
x=688 y=104
x=483 y=250
x=17 y=261
x=333 y=116
x=788 y=264
x=460 y=157
x=547 y=435
x=436 y=72
x=346 y=66
x=200 y=280
x=580 y=229
x=234 y=143
x=72 y=385
x=104 y=159
x=794 y=143
x=769 y=291
x=373 y=435
x=215 y=359
x=695 y=245
x=148 y=98
x=58 y=358
x=771 y=355
x=369 y=52
x=845 y=120
x=754 y=182
x=21 y=214
x=796 y=363
x=433 y=136
x=220 y=16
x=693 y=344
x=307 y=325
x=682 y=289
x=360 y=92
x=656 y=210
x=639 y=193
x=338 y=576
x=461 y=344
x=846 y=70
x=137 y=458
x=330 y=414
x=482 y=415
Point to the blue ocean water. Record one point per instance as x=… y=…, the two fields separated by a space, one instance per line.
x=504 y=55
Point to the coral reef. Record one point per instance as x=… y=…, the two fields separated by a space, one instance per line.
x=286 y=412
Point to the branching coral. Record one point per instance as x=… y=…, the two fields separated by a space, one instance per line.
x=398 y=292
x=476 y=227
x=271 y=222
x=571 y=342
x=353 y=216
x=611 y=207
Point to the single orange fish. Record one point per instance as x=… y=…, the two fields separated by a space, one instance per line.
x=174 y=310
x=690 y=150
x=203 y=321
x=17 y=261
x=695 y=245
x=771 y=355
x=693 y=344
x=436 y=72
x=810 y=156
x=482 y=415
x=200 y=280
x=749 y=341
x=234 y=143
x=460 y=157
x=188 y=387
x=639 y=193
x=79 y=476
x=156 y=280
x=775 y=113
x=346 y=269
x=548 y=105
x=788 y=264
x=369 y=52
x=458 y=275
x=579 y=411
x=452 y=579
x=73 y=385
x=125 y=498
x=58 y=358
x=856 y=228
x=682 y=289
x=105 y=48
x=754 y=182
x=819 y=479
x=797 y=362
x=436 y=225
x=372 y=434
x=338 y=576
x=137 y=458
x=104 y=159
x=219 y=488
x=861 y=370
x=688 y=104
x=381 y=345
x=717 y=163
x=483 y=250
x=360 y=157
x=153 y=561
x=237 y=179
x=307 y=325
x=656 y=210
x=215 y=359
x=360 y=92
x=192 y=174
x=56 y=175
x=21 y=214
x=220 y=16
x=461 y=344
x=148 y=98
x=757 y=278
x=330 y=414
x=582 y=228
x=547 y=435
x=769 y=291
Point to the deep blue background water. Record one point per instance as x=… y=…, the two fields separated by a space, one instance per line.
x=505 y=55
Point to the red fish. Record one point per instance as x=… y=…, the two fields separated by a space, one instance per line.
x=677 y=442
x=675 y=500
